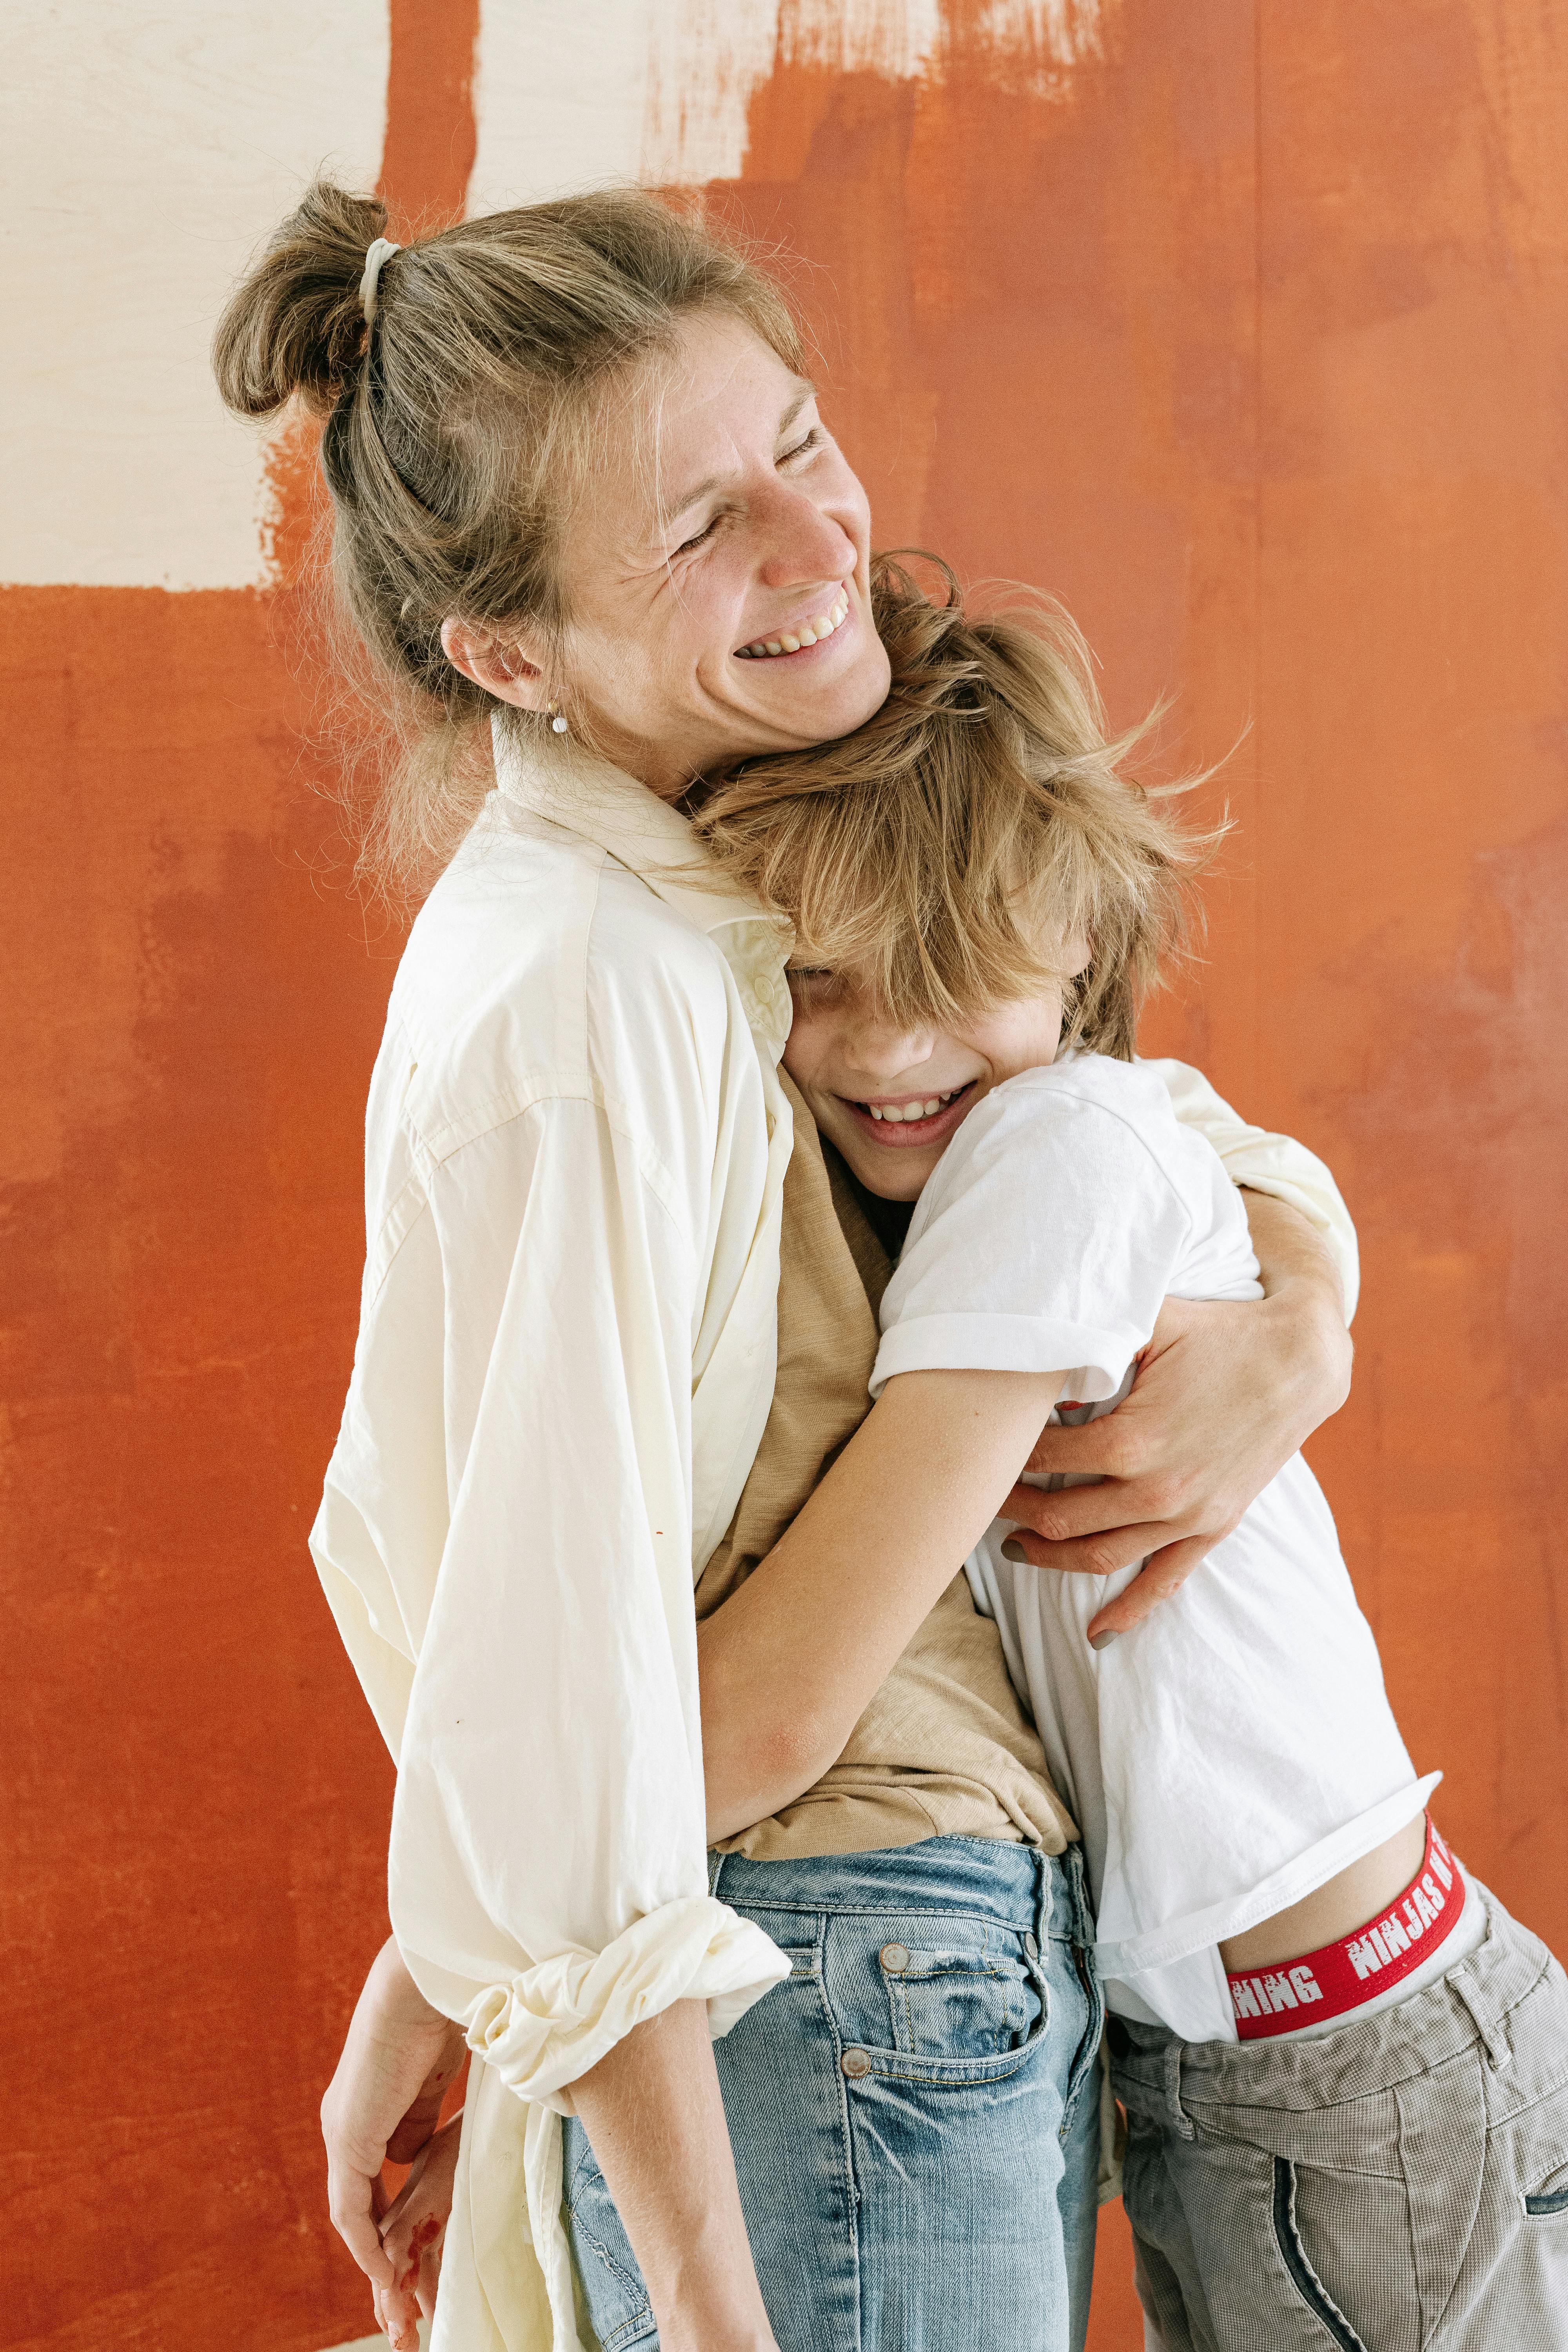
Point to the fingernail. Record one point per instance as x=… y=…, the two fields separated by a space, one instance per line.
x=1013 y=1550
x=1103 y=1640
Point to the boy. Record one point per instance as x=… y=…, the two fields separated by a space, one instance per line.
x=1345 y=2067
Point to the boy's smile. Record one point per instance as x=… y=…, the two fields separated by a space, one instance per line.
x=892 y=1098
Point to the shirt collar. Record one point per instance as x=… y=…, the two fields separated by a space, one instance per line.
x=585 y=794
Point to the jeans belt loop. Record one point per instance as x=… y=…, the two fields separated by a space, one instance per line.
x=1482 y=2016
x=1084 y=1930
x=1044 y=1903
x=715 y=1865
x=1176 y=2114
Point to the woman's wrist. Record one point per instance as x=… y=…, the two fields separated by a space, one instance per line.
x=1316 y=1353
x=1304 y=1305
x=395 y=1997
x=715 y=2306
x=705 y=2332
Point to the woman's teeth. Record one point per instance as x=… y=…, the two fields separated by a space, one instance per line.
x=810 y=633
x=928 y=1108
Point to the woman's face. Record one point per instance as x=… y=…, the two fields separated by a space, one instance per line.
x=723 y=519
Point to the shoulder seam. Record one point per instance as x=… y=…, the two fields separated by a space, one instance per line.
x=503 y=1109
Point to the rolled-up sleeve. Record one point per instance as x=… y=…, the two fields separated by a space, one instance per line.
x=1276 y=1164
x=547 y=1874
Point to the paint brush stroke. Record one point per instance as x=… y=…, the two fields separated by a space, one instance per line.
x=707 y=60
x=431 y=133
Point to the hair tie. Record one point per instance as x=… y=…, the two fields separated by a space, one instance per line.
x=379 y=254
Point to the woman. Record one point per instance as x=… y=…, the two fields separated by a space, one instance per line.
x=586 y=510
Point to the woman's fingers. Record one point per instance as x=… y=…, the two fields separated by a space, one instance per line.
x=1102 y=1553
x=351 y=2203
x=1165 y=1569
x=1109 y=1447
x=1164 y=1572
x=1225 y=1392
x=1165 y=1504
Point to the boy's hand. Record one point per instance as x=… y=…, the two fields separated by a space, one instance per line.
x=399 y=2060
x=1224 y=1395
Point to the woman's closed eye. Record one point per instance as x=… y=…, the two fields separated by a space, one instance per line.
x=700 y=539
x=806 y=446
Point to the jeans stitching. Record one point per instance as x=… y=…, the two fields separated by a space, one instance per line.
x=983 y=1915
x=1086 y=2056
x=935 y=2082
x=642 y=2313
x=849 y=2178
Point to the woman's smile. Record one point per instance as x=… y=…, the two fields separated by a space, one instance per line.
x=797 y=636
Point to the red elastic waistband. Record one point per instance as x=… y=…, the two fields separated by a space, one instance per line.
x=1357 y=1967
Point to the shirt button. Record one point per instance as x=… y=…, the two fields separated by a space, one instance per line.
x=855 y=2064
x=895 y=1959
x=1030 y=1946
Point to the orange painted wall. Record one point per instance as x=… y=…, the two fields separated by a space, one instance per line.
x=1250 y=342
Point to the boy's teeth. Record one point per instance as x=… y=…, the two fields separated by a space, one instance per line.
x=811 y=633
x=902 y=1113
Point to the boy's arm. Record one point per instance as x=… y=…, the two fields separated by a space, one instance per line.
x=790 y=1663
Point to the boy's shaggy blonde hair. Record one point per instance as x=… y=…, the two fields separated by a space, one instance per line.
x=947 y=850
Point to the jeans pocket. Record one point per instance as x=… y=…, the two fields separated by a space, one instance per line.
x=612 y=2283
x=977 y=1994
x=1550 y=2196
x=1336 y=2326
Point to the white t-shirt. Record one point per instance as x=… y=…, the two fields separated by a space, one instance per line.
x=1236 y=1750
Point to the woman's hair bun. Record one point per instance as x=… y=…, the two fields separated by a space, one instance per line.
x=295 y=323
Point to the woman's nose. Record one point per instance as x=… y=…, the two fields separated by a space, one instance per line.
x=802 y=542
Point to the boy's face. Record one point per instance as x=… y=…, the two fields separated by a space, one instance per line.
x=891 y=1099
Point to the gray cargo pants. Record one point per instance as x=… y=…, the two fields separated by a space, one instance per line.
x=1398 y=2186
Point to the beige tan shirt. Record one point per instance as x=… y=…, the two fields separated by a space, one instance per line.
x=945 y=1747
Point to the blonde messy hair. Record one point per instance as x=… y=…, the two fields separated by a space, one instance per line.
x=948 y=850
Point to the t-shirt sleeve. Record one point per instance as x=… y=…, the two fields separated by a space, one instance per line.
x=1263 y=1162
x=1044 y=1241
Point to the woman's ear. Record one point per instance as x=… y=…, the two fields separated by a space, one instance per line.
x=500 y=665
x=1076 y=954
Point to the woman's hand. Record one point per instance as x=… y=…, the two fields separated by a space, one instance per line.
x=399 y=2060
x=1224 y=1395
x=412 y=2232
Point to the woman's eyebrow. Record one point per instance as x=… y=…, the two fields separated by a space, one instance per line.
x=712 y=482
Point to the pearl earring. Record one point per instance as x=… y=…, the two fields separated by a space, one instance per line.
x=557 y=724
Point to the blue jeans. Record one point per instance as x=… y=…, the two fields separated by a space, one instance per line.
x=915 y=2111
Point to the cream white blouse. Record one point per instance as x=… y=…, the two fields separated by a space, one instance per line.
x=575 y=1147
